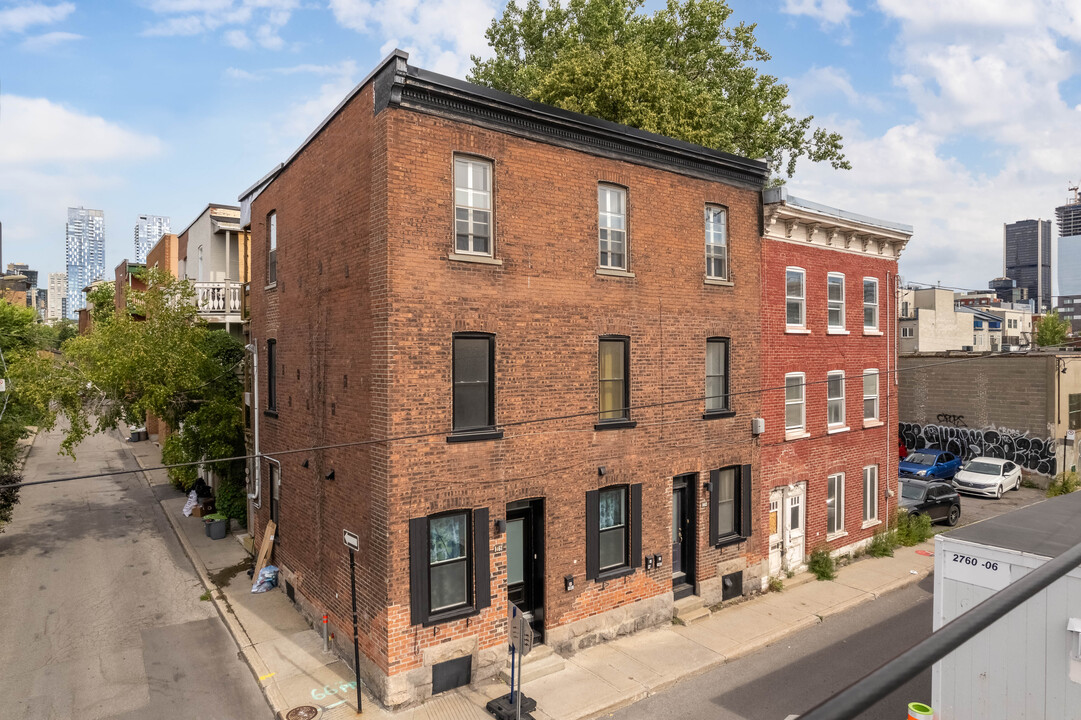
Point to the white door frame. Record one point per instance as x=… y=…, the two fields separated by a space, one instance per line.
x=787 y=544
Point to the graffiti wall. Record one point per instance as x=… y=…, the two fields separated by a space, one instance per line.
x=1032 y=453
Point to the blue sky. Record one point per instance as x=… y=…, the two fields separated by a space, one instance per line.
x=957 y=116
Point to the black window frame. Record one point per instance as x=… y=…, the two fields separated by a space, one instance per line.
x=272 y=377
x=624 y=420
x=478 y=567
x=632 y=538
x=272 y=248
x=741 y=506
x=727 y=410
x=489 y=430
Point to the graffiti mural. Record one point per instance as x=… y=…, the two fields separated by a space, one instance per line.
x=1032 y=453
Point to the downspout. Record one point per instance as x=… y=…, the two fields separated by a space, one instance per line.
x=890 y=447
x=255 y=497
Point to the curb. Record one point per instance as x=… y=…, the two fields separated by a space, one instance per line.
x=236 y=630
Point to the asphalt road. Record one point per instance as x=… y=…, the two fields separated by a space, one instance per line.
x=100 y=610
x=801 y=671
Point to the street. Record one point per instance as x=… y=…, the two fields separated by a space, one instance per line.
x=801 y=671
x=102 y=616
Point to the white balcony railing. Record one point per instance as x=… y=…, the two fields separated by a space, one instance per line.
x=217 y=299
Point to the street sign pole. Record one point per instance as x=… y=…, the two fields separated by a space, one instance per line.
x=356 y=642
x=521 y=634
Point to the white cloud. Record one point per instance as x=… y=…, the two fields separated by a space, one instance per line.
x=47 y=41
x=237 y=38
x=289 y=128
x=439 y=35
x=827 y=82
x=828 y=12
x=239 y=74
x=19 y=18
x=266 y=19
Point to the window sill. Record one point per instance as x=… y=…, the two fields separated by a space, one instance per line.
x=479 y=259
x=870 y=524
x=834 y=431
x=271 y=286
x=614 y=272
x=475 y=436
x=718 y=281
x=730 y=540
x=837 y=331
x=796 y=435
x=795 y=330
x=873 y=423
x=448 y=615
x=270 y=413
x=872 y=332
x=830 y=537
x=713 y=414
x=615 y=424
x=614 y=573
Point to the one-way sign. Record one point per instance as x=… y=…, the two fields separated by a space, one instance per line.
x=351 y=541
x=521 y=634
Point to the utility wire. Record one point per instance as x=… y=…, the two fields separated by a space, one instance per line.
x=517 y=423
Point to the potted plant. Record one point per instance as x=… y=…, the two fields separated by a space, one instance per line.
x=216 y=525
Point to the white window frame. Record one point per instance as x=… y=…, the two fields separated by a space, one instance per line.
x=870 y=495
x=471 y=206
x=836 y=482
x=907 y=332
x=830 y=304
x=272 y=249
x=867 y=374
x=866 y=305
x=800 y=429
x=716 y=241
x=606 y=212
x=801 y=299
x=840 y=424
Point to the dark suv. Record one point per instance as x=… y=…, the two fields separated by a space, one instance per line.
x=937 y=500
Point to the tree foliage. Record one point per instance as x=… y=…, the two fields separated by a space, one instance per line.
x=683 y=72
x=1052 y=330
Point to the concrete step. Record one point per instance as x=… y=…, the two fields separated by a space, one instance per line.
x=540 y=662
x=690 y=609
x=693 y=616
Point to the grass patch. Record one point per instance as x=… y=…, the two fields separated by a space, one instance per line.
x=912 y=529
x=882 y=543
x=205 y=597
x=821 y=563
x=776 y=584
x=1063 y=484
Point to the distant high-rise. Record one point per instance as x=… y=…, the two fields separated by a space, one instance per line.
x=58 y=296
x=1026 y=250
x=85 y=253
x=31 y=280
x=148 y=230
x=1068 y=218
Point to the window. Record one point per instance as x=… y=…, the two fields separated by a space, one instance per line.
x=835 y=398
x=612 y=222
x=835 y=504
x=716 y=242
x=613 y=531
x=614 y=394
x=716 y=375
x=795 y=315
x=271 y=375
x=449 y=565
x=1075 y=411
x=870 y=493
x=272 y=248
x=870 y=394
x=474 y=391
x=793 y=403
x=835 y=300
x=907 y=332
x=729 y=507
x=870 y=304
x=472 y=206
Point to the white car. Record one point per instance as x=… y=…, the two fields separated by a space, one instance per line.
x=988 y=476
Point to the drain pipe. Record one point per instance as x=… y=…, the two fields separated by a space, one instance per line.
x=255 y=497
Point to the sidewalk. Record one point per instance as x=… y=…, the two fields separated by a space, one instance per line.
x=287 y=659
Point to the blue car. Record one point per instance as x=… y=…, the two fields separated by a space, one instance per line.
x=930 y=464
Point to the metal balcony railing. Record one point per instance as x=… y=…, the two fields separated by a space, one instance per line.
x=217 y=299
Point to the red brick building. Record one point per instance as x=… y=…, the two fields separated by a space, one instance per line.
x=534 y=336
x=829 y=451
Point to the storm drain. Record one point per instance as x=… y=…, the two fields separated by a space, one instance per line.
x=304 y=712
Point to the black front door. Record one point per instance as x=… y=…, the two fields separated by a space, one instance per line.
x=683 y=535
x=525 y=560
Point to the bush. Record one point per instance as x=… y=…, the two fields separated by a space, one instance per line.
x=1063 y=484
x=174 y=451
x=882 y=543
x=232 y=498
x=912 y=529
x=776 y=584
x=821 y=564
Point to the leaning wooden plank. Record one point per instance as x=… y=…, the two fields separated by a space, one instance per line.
x=264 y=549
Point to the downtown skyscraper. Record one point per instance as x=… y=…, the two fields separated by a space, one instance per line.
x=85 y=232
x=1026 y=255
x=148 y=230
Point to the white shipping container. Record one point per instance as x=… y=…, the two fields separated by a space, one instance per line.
x=1025 y=666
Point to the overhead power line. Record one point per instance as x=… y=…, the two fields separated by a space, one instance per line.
x=516 y=423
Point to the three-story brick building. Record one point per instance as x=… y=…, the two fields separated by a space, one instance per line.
x=528 y=341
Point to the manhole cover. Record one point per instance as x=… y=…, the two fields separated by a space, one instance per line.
x=304 y=712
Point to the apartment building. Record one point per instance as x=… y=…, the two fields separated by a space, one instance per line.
x=533 y=339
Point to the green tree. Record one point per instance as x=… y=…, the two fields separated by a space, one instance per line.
x=683 y=72
x=1052 y=330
